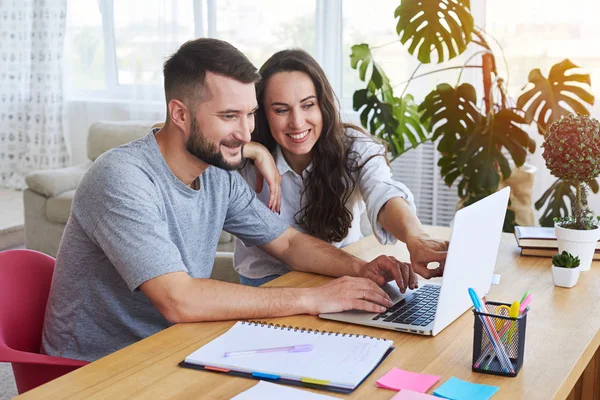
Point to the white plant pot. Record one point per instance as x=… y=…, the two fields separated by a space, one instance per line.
x=565 y=277
x=579 y=243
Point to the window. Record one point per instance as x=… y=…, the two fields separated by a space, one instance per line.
x=376 y=26
x=84 y=53
x=145 y=32
x=541 y=33
x=115 y=49
x=260 y=28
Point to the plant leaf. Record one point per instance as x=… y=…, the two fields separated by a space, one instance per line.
x=443 y=26
x=378 y=118
x=361 y=58
x=556 y=206
x=555 y=200
x=472 y=143
x=479 y=154
x=451 y=113
x=547 y=99
x=408 y=116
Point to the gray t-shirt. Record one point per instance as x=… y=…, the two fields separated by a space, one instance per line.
x=133 y=220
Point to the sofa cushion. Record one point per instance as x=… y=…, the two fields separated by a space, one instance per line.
x=105 y=135
x=58 y=208
x=52 y=182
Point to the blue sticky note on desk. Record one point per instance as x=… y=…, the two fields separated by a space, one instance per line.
x=457 y=389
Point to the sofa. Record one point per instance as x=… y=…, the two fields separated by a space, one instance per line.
x=47 y=200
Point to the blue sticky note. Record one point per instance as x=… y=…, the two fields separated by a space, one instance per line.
x=457 y=389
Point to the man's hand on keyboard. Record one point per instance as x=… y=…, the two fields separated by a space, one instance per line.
x=424 y=249
x=346 y=293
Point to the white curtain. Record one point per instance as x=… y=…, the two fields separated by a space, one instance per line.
x=32 y=133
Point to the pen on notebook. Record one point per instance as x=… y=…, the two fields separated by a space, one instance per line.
x=290 y=349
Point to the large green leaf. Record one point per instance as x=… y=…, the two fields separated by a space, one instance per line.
x=394 y=123
x=451 y=113
x=550 y=97
x=407 y=114
x=361 y=58
x=481 y=153
x=555 y=199
x=477 y=156
x=377 y=117
x=392 y=119
x=443 y=26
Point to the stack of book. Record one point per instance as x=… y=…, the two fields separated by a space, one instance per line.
x=541 y=242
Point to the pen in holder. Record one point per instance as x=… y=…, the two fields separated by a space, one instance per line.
x=510 y=331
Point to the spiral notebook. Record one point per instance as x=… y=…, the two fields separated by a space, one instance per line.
x=338 y=362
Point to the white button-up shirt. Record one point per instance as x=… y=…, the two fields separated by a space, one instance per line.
x=374 y=187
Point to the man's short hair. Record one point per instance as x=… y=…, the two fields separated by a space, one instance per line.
x=185 y=71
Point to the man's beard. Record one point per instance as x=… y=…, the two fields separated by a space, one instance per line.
x=201 y=148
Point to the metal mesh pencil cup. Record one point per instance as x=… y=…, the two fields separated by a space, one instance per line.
x=510 y=331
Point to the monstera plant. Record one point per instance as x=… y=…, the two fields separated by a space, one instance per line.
x=476 y=137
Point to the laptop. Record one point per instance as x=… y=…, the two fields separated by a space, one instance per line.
x=474 y=243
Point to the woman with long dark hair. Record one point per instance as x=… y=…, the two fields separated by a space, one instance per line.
x=331 y=172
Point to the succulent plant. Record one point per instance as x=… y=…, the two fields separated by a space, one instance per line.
x=565 y=260
x=572 y=154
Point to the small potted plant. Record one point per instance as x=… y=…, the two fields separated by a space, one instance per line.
x=572 y=154
x=565 y=269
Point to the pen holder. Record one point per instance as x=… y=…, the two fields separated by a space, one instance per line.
x=510 y=331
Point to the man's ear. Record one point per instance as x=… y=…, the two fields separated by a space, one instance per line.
x=179 y=114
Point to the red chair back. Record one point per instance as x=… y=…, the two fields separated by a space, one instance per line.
x=25 y=278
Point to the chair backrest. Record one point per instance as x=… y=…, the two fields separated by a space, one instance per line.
x=25 y=277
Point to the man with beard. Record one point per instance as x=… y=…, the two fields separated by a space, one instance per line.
x=137 y=253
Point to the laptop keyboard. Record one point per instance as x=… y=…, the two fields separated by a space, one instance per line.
x=418 y=308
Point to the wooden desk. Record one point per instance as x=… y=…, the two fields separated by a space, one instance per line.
x=562 y=339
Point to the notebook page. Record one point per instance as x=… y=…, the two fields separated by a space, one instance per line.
x=340 y=360
x=265 y=390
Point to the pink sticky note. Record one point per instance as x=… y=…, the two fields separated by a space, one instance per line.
x=398 y=379
x=410 y=395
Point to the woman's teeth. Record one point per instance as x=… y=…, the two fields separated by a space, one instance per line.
x=300 y=135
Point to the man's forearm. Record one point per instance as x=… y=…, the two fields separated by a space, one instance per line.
x=212 y=300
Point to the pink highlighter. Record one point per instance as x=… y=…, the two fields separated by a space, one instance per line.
x=525 y=303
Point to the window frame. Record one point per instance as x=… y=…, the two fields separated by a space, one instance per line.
x=328 y=41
